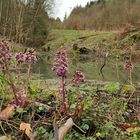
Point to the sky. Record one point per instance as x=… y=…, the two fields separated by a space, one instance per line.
x=63 y=7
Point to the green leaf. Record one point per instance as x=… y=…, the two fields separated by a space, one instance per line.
x=20 y=110
x=128 y=88
x=73 y=106
x=113 y=87
x=41 y=108
x=98 y=134
x=85 y=126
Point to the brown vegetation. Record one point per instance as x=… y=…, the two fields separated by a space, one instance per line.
x=104 y=15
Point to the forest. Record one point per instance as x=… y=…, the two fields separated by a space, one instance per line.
x=104 y=15
x=71 y=79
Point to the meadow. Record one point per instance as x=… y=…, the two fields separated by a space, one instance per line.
x=35 y=106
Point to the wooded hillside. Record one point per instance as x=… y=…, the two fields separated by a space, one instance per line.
x=104 y=15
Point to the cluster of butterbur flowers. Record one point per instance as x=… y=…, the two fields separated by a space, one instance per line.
x=20 y=87
x=128 y=64
x=60 y=66
x=78 y=77
x=5 y=55
x=29 y=56
x=10 y=66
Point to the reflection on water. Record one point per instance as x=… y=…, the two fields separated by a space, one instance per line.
x=112 y=71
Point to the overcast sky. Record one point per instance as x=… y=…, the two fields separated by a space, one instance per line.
x=66 y=6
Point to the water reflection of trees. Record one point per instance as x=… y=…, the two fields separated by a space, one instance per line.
x=89 y=65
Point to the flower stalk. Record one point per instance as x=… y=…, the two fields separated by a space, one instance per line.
x=10 y=69
x=60 y=66
x=129 y=67
x=76 y=79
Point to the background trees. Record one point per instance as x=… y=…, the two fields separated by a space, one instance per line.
x=28 y=22
x=25 y=21
x=105 y=15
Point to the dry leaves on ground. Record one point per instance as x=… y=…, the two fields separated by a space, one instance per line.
x=26 y=128
x=7 y=112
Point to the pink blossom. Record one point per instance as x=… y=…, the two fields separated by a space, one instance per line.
x=60 y=65
x=31 y=55
x=20 y=57
x=128 y=64
x=20 y=100
x=78 y=77
x=5 y=54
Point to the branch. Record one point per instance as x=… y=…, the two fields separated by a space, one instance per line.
x=46 y=107
x=62 y=131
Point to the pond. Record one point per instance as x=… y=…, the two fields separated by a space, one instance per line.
x=90 y=66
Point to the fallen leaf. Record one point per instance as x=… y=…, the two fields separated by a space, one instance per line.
x=26 y=128
x=7 y=112
x=125 y=126
x=79 y=110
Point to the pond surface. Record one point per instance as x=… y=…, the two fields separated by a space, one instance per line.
x=112 y=71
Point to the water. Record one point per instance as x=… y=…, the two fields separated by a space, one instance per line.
x=113 y=70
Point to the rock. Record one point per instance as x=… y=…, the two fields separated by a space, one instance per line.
x=84 y=50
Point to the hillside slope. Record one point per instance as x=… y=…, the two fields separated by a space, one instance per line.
x=117 y=43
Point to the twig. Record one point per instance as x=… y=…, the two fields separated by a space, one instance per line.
x=27 y=78
x=2 y=129
x=46 y=107
x=82 y=131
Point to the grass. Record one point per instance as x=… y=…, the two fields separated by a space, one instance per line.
x=110 y=41
x=84 y=38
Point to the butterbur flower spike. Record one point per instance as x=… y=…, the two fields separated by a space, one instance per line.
x=128 y=65
x=20 y=57
x=60 y=65
x=78 y=77
x=31 y=56
x=20 y=100
x=5 y=54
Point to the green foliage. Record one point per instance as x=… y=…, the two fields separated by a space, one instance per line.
x=112 y=88
x=41 y=132
x=128 y=88
x=105 y=130
x=20 y=110
x=87 y=103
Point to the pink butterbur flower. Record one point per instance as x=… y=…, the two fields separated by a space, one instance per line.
x=78 y=77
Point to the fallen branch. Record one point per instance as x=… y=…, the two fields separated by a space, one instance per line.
x=62 y=131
